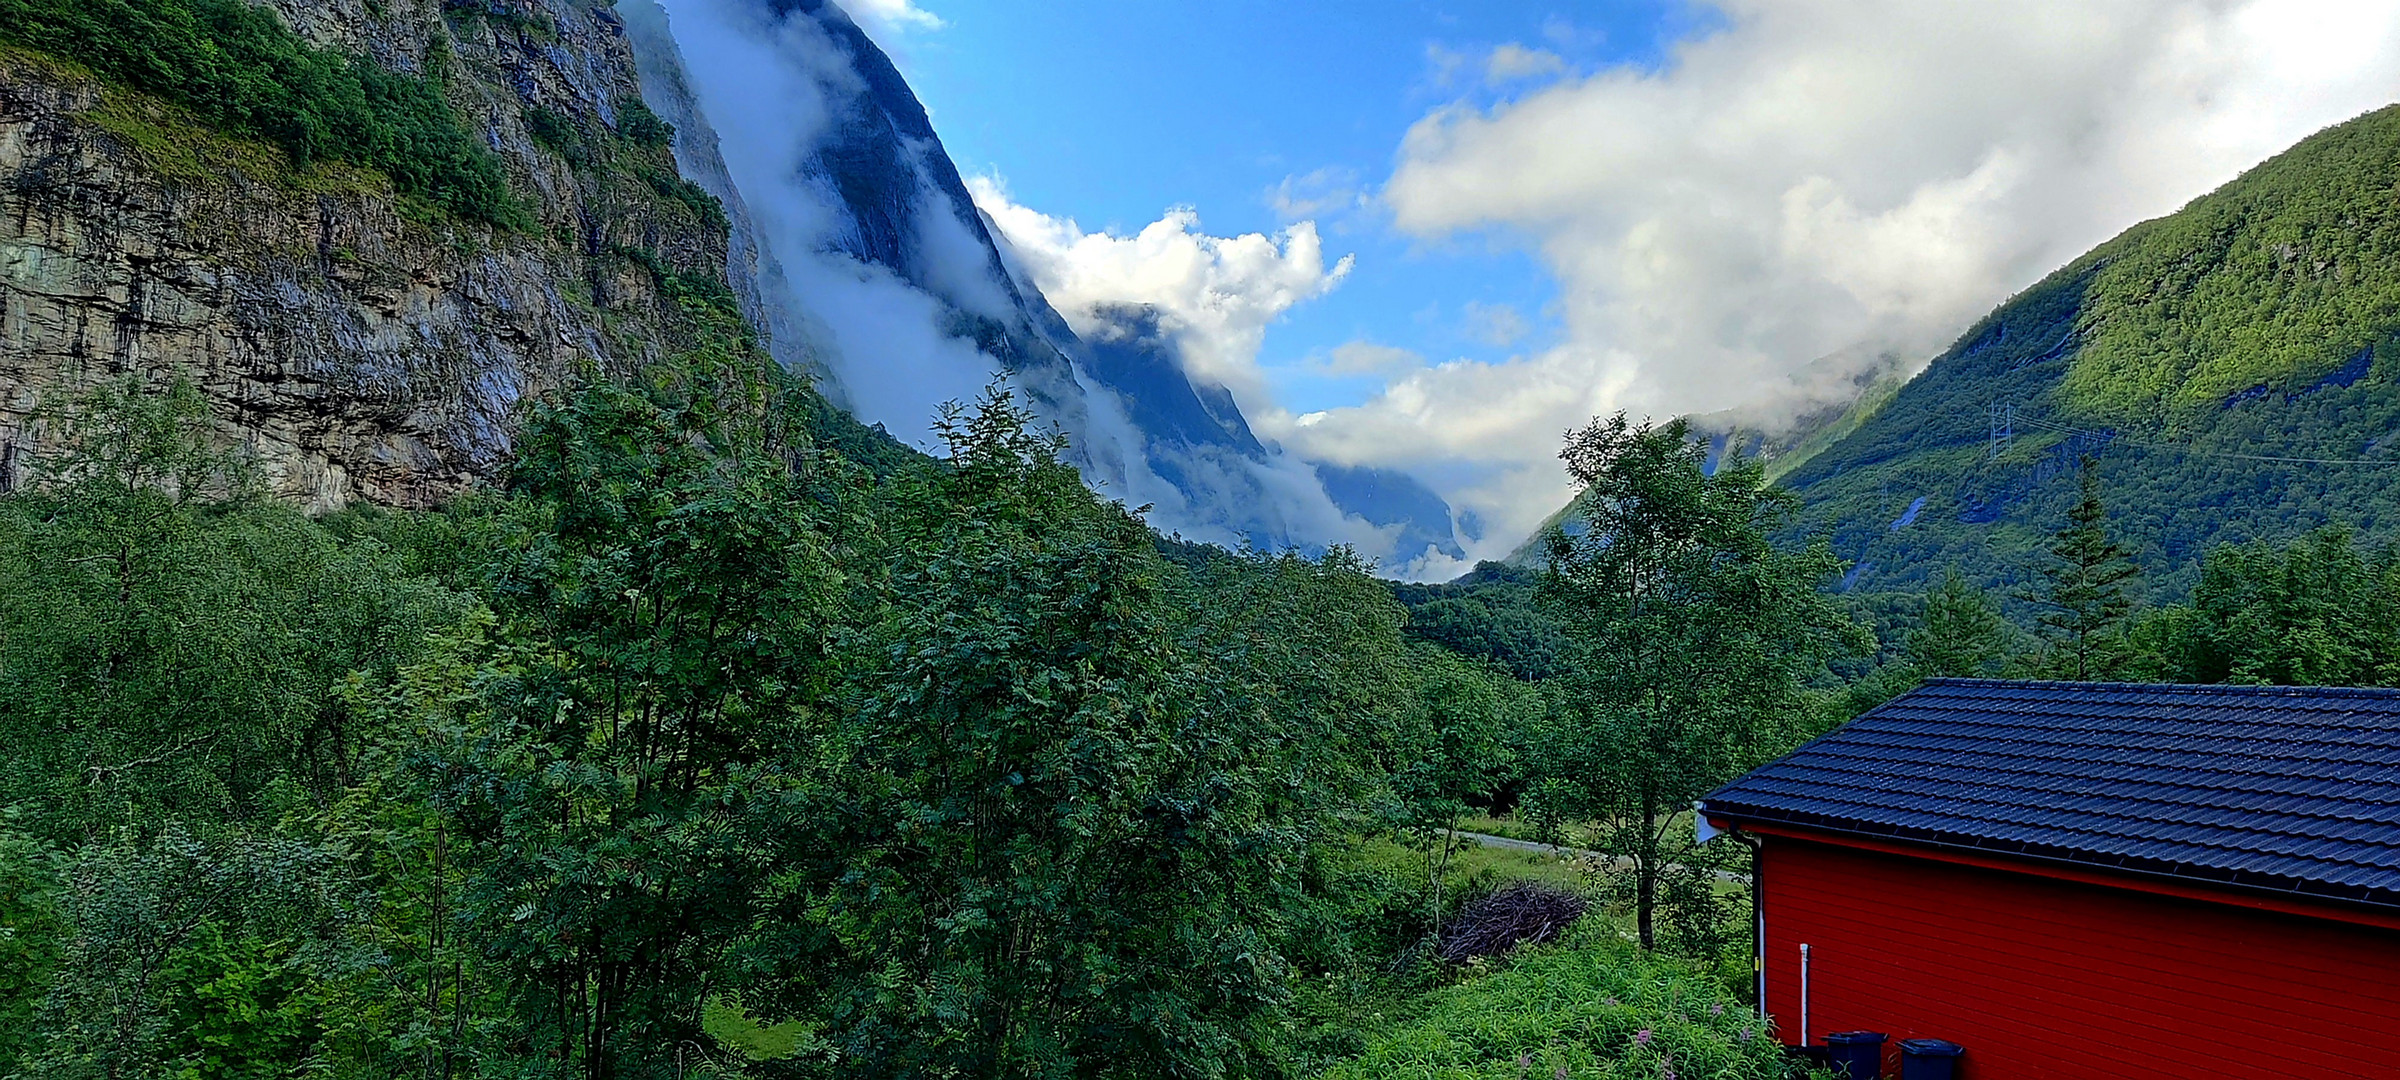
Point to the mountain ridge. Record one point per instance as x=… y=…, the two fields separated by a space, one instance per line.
x=2230 y=367
x=2256 y=322
x=873 y=193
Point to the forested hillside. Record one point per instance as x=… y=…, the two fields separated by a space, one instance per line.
x=2232 y=368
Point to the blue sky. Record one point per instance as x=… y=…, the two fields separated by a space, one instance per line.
x=1110 y=113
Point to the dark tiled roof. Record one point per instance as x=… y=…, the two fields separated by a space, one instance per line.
x=2294 y=789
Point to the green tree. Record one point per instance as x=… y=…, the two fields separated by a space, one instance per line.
x=2318 y=611
x=1456 y=747
x=171 y=637
x=660 y=660
x=1961 y=634
x=31 y=875
x=2083 y=600
x=1069 y=815
x=191 y=957
x=1694 y=641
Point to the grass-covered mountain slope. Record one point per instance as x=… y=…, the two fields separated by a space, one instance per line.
x=2231 y=367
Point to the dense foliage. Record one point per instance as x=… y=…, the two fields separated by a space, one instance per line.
x=237 y=68
x=1595 y=1010
x=2320 y=611
x=692 y=739
x=1693 y=639
x=695 y=749
x=2273 y=281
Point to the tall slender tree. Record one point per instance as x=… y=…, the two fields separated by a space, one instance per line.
x=1694 y=637
x=2083 y=593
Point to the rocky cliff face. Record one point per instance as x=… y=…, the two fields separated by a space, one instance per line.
x=362 y=344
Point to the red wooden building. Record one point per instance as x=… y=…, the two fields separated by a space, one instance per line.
x=2080 y=879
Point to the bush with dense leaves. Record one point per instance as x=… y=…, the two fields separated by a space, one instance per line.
x=1593 y=1008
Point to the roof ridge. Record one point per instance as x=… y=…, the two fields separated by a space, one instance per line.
x=2262 y=690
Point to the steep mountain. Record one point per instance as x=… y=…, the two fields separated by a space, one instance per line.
x=460 y=204
x=859 y=253
x=436 y=208
x=2233 y=369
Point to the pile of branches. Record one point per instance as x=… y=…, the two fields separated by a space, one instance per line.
x=1519 y=913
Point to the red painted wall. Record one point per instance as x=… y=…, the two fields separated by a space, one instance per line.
x=2040 y=978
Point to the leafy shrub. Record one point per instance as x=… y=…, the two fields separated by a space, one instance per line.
x=692 y=196
x=237 y=68
x=29 y=934
x=514 y=17
x=636 y=122
x=1522 y=913
x=559 y=134
x=1594 y=1008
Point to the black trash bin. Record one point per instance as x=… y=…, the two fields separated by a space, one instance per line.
x=1804 y=1058
x=1857 y=1055
x=1929 y=1059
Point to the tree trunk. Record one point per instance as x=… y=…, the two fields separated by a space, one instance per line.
x=1645 y=872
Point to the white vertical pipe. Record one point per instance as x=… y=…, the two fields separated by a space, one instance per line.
x=1804 y=994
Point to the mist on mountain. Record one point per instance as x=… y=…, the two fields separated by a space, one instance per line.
x=861 y=257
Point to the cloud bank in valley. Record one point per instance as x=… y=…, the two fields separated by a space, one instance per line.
x=1816 y=177
x=1216 y=294
x=872 y=266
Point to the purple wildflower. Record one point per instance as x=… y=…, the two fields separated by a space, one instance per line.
x=1717 y=1009
x=1642 y=1037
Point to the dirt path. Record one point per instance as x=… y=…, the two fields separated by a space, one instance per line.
x=1505 y=843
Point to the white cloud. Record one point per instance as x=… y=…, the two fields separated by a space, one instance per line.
x=892 y=15
x=1823 y=176
x=1444 y=64
x=1216 y=294
x=1515 y=63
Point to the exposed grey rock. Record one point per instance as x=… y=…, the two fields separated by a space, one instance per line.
x=360 y=348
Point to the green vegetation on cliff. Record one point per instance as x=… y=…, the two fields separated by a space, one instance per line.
x=237 y=68
x=2233 y=369
x=2271 y=282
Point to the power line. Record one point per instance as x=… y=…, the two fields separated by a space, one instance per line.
x=2031 y=422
